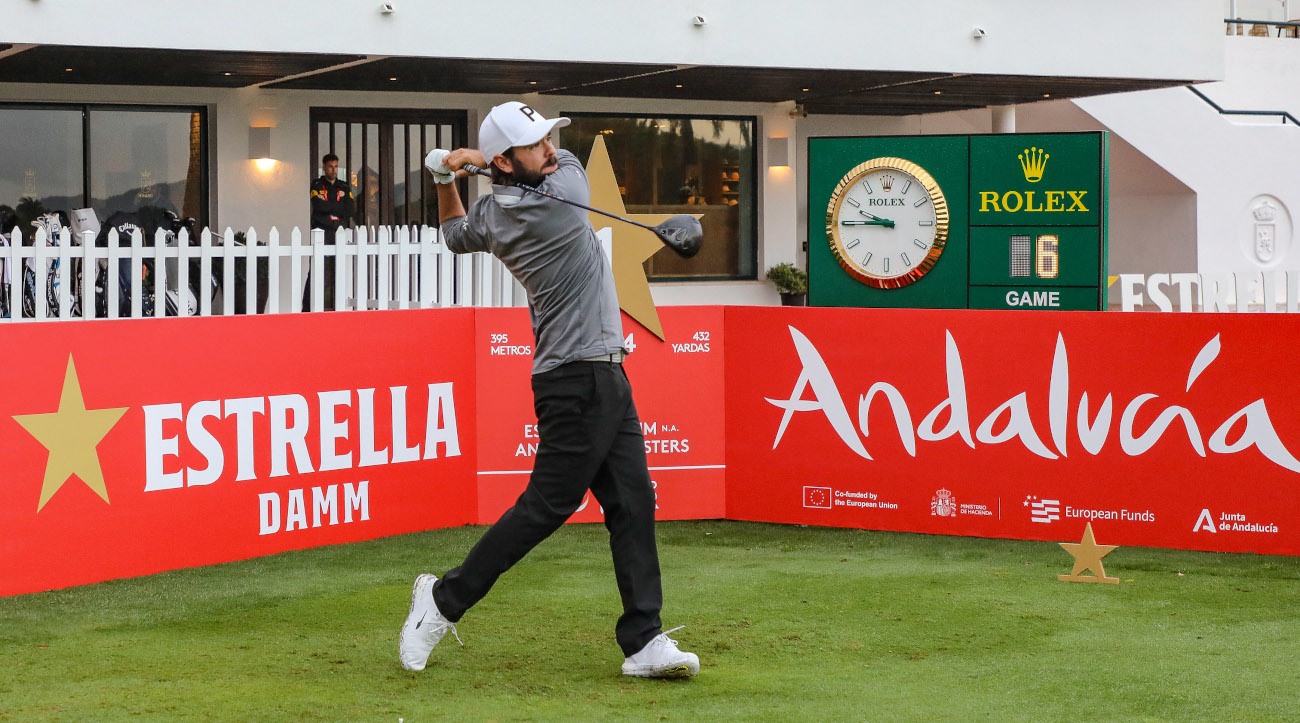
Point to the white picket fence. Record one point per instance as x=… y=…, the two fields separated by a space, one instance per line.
x=387 y=267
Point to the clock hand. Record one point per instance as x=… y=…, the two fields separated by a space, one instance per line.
x=882 y=222
x=874 y=217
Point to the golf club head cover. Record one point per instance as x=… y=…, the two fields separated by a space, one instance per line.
x=436 y=162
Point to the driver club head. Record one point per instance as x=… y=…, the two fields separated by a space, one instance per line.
x=682 y=234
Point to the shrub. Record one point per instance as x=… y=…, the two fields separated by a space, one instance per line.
x=788 y=279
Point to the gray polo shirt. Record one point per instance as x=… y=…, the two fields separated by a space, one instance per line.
x=552 y=250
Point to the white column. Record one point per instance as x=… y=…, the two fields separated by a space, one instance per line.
x=1004 y=118
x=779 y=236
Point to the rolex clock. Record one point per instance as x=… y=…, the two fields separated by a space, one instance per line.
x=887 y=222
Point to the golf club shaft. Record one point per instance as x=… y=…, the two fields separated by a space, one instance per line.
x=479 y=171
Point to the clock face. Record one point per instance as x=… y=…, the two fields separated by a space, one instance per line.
x=887 y=222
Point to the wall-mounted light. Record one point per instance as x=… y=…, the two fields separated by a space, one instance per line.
x=259 y=146
x=778 y=152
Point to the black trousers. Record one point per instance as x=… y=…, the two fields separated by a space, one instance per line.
x=590 y=438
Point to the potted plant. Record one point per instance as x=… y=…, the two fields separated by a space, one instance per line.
x=791 y=282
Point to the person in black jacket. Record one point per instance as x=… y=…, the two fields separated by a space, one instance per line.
x=332 y=207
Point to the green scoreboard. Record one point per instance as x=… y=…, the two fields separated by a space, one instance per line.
x=1008 y=221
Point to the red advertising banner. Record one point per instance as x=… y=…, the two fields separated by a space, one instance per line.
x=136 y=446
x=677 y=385
x=1166 y=430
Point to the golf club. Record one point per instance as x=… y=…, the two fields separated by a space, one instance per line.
x=681 y=233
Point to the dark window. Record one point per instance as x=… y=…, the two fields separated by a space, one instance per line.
x=109 y=158
x=146 y=158
x=684 y=164
x=42 y=168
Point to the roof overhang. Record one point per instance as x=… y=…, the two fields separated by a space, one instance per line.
x=854 y=92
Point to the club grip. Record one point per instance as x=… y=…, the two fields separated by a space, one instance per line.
x=475 y=170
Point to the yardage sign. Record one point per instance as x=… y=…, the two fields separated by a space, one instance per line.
x=982 y=222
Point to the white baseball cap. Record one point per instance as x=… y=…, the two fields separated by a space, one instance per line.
x=513 y=124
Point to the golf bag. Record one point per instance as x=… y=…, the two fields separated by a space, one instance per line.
x=148 y=221
x=52 y=223
x=5 y=281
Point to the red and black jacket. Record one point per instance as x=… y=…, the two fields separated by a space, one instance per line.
x=332 y=204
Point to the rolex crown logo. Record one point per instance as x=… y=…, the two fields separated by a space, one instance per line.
x=1032 y=162
x=886 y=182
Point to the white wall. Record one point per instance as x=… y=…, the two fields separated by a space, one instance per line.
x=1108 y=38
x=1228 y=163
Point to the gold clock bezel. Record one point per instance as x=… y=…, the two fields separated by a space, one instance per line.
x=940 y=222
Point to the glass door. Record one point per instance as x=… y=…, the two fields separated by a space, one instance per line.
x=381 y=154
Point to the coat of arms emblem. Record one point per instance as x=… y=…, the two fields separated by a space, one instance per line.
x=1265 y=215
x=943 y=504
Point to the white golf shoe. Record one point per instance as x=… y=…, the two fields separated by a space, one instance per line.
x=660 y=658
x=424 y=626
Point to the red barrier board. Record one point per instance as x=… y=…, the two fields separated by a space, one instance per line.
x=137 y=446
x=133 y=447
x=677 y=385
x=1167 y=430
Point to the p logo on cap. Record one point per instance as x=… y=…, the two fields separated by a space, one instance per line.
x=513 y=124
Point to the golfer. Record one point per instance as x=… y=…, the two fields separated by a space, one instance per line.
x=590 y=436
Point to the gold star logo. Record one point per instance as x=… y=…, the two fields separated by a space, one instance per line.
x=632 y=245
x=71 y=435
x=1087 y=556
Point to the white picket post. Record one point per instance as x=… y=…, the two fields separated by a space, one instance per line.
x=160 y=274
x=446 y=262
x=227 y=276
x=359 y=265
x=205 y=277
x=341 y=250
x=137 y=274
x=403 y=267
x=88 y=273
x=464 y=279
x=428 y=267
x=273 y=254
x=113 y=281
x=413 y=267
x=39 y=256
x=485 y=279
x=250 y=270
x=295 y=271
x=383 y=251
x=416 y=271
x=183 y=245
x=317 y=267
x=64 y=259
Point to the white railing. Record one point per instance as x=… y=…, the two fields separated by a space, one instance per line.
x=399 y=267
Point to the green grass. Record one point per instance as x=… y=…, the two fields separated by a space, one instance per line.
x=789 y=622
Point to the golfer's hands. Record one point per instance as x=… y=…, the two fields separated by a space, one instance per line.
x=436 y=162
x=461 y=157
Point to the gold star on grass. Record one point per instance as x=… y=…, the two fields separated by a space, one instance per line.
x=71 y=435
x=632 y=244
x=1087 y=556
